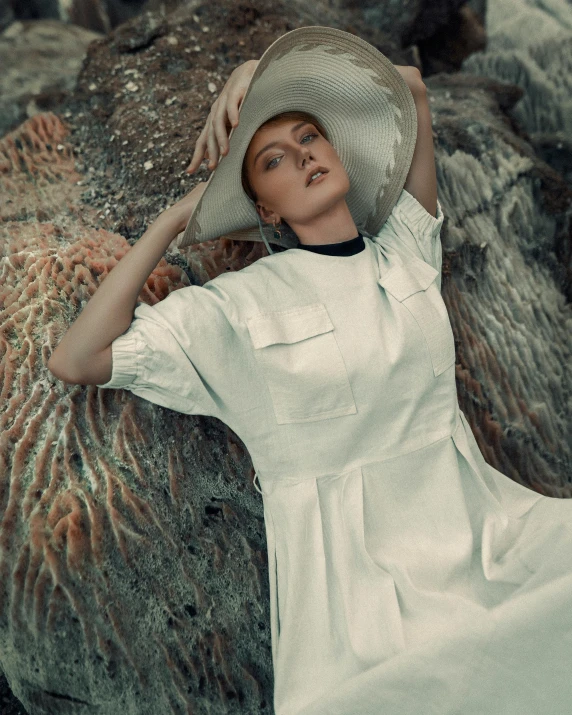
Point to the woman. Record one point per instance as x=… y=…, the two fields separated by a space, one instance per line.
x=407 y=576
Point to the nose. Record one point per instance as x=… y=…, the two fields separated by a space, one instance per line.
x=305 y=154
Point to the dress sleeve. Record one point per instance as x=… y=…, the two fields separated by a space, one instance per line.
x=411 y=229
x=176 y=353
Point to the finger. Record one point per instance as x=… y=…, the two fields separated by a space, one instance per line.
x=219 y=124
x=233 y=111
x=199 y=152
x=212 y=148
x=196 y=160
x=201 y=146
x=204 y=155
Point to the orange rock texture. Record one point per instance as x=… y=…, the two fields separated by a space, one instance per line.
x=132 y=566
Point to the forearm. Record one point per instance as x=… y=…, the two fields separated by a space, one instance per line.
x=109 y=311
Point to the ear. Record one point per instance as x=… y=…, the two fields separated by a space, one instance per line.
x=268 y=216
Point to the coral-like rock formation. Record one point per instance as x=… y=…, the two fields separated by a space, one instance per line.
x=132 y=568
x=507 y=245
x=133 y=573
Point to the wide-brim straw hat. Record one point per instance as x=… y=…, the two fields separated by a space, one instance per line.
x=363 y=103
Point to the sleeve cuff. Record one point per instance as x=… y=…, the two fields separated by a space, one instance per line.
x=415 y=215
x=124 y=352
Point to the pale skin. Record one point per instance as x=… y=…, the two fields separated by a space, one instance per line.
x=84 y=354
x=317 y=214
x=213 y=141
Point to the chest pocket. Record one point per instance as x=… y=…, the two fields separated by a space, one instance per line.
x=414 y=285
x=302 y=364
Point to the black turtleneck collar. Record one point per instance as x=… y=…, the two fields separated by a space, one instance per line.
x=342 y=248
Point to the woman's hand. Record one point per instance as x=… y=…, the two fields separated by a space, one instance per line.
x=182 y=211
x=213 y=139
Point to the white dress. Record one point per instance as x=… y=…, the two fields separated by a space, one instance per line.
x=407 y=576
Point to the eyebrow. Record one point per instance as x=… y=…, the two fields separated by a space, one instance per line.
x=269 y=146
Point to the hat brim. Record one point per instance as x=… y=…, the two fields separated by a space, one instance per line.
x=361 y=100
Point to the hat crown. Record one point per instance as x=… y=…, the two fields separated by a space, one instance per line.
x=363 y=103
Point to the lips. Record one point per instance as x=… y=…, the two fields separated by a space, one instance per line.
x=315 y=171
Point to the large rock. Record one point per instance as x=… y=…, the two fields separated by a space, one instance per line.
x=96 y=15
x=132 y=567
x=40 y=62
x=530 y=45
x=133 y=573
x=440 y=33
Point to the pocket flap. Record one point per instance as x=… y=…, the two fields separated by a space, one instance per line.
x=402 y=280
x=289 y=326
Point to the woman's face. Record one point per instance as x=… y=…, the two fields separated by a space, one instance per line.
x=279 y=173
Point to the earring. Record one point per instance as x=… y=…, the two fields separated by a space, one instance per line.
x=277 y=234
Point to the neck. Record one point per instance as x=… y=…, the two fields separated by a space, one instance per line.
x=333 y=226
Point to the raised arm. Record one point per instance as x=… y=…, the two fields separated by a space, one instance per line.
x=421 y=181
x=84 y=353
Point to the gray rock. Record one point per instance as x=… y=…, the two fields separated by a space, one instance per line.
x=530 y=45
x=95 y=15
x=40 y=62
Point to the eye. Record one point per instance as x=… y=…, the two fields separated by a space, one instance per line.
x=269 y=165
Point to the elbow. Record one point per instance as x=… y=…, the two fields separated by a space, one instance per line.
x=91 y=370
x=62 y=373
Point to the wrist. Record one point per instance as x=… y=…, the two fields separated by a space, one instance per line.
x=172 y=221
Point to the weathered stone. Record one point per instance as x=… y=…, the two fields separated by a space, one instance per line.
x=40 y=61
x=531 y=46
x=132 y=560
x=96 y=15
x=507 y=244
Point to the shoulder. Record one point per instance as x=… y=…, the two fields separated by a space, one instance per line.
x=408 y=214
x=239 y=293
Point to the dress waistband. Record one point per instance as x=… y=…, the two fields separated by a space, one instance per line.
x=456 y=426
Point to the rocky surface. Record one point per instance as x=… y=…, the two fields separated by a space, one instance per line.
x=97 y=15
x=530 y=45
x=40 y=62
x=9 y=704
x=133 y=573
